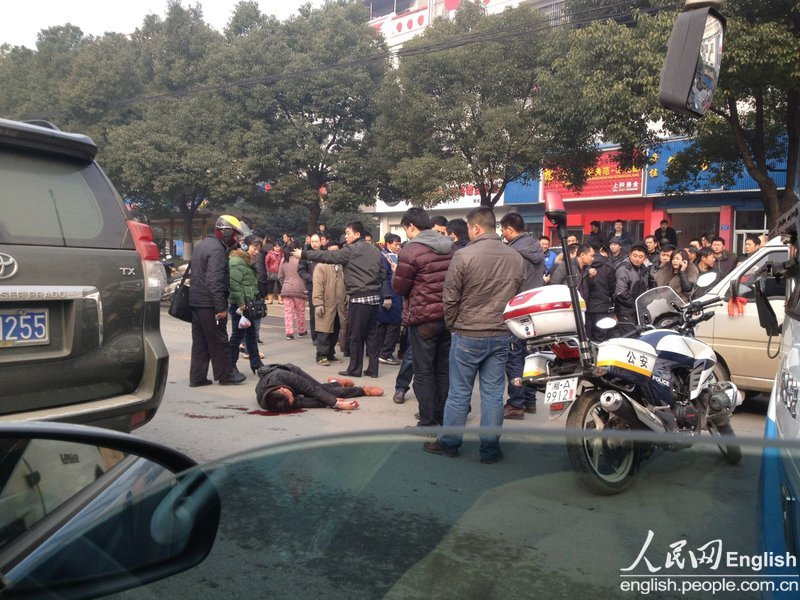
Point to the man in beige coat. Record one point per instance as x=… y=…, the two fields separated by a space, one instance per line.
x=329 y=299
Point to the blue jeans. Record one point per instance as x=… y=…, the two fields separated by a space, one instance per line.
x=485 y=358
x=518 y=397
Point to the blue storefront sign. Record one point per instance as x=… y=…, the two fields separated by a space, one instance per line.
x=656 y=180
x=521 y=192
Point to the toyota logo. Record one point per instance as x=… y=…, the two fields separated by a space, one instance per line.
x=8 y=266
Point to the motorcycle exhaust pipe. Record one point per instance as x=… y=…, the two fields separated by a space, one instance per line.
x=648 y=418
x=615 y=402
x=611 y=401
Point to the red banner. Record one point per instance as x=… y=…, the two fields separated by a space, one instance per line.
x=606 y=180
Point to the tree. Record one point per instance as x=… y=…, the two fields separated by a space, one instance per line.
x=754 y=121
x=470 y=114
x=757 y=106
x=323 y=119
x=182 y=153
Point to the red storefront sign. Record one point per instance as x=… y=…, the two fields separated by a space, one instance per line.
x=606 y=180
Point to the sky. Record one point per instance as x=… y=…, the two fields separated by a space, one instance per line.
x=22 y=20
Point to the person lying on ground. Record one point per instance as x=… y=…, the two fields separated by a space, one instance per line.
x=282 y=388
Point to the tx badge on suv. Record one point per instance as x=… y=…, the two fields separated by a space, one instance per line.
x=80 y=285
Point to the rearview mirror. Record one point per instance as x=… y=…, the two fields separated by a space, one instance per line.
x=84 y=516
x=692 y=65
x=706 y=279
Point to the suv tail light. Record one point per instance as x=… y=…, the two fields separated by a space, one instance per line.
x=155 y=277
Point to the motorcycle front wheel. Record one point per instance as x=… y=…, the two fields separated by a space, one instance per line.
x=731 y=452
x=604 y=466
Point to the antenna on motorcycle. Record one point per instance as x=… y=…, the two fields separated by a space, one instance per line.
x=556 y=213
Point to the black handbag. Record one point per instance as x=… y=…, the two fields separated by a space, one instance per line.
x=179 y=307
x=255 y=310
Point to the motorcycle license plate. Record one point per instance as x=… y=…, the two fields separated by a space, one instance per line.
x=561 y=390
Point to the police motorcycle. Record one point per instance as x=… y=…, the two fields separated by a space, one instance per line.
x=658 y=377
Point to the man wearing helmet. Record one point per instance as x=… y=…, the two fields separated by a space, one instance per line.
x=208 y=299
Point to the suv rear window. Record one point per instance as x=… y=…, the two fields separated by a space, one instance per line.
x=52 y=202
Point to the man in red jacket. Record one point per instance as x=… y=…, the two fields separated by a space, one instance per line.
x=421 y=270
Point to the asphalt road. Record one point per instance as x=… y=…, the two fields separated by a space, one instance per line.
x=377 y=517
x=211 y=422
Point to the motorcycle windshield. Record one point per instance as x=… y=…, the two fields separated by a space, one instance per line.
x=655 y=304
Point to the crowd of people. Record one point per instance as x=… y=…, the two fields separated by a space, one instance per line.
x=432 y=305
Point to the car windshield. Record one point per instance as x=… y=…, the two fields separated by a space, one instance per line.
x=370 y=515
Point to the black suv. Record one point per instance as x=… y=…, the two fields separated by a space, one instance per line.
x=80 y=285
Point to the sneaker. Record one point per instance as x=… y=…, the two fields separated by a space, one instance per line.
x=490 y=460
x=436 y=447
x=390 y=360
x=233 y=379
x=304 y=334
x=399 y=397
x=512 y=413
x=323 y=362
x=290 y=336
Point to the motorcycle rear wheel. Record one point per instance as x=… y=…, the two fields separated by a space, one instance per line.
x=604 y=466
x=731 y=452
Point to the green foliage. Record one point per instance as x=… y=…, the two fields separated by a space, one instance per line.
x=756 y=110
x=755 y=119
x=470 y=114
x=184 y=115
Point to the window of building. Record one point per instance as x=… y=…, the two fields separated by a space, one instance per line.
x=381 y=8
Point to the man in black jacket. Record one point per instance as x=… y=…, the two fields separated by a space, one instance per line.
x=665 y=232
x=596 y=238
x=600 y=297
x=633 y=279
x=521 y=399
x=208 y=299
x=282 y=388
x=306 y=272
x=364 y=279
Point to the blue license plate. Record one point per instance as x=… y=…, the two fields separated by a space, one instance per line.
x=24 y=327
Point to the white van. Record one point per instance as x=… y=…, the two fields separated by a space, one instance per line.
x=746 y=355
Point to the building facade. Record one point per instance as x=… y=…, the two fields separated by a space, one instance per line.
x=637 y=196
